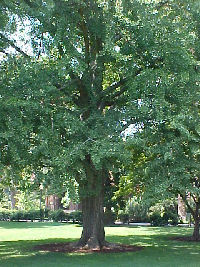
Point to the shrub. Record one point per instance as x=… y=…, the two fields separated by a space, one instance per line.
x=26 y=215
x=17 y=215
x=109 y=217
x=57 y=215
x=167 y=218
x=137 y=212
x=5 y=215
x=46 y=213
x=157 y=220
x=41 y=213
x=68 y=216
x=76 y=216
x=164 y=213
x=170 y=217
x=34 y=215
x=123 y=216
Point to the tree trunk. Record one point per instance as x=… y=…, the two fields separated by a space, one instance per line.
x=195 y=235
x=195 y=214
x=13 y=199
x=93 y=234
x=196 y=217
x=53 y=202
x=91 y=191
x=181 y=209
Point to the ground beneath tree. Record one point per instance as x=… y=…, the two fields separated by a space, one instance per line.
x=184 y=238
x=70 y=248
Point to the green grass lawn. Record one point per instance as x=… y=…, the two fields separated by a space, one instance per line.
x=17 y=240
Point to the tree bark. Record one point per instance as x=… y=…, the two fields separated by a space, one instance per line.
x=93 y=234
x=91 y=192
x=195 y=235
x=13 y=199
x=181 y=209
x=196 y=217
x=195 y=214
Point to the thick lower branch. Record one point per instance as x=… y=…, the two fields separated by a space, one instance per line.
x=187 y=204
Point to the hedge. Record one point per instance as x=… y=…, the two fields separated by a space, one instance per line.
x=32 y=215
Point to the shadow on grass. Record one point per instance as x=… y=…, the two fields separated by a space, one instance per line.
x=26 y=246
x=156 y=241
x=18 y=248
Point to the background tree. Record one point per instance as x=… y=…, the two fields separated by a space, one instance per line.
x=169 y=139
x=173 y=165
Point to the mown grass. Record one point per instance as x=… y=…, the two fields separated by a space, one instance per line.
x=18 y=239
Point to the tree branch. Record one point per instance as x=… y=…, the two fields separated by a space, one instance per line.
x=83 y=28
x=11 y=43
x=187 y=204
x=33 y=7
x=30 y=4
x=120 y=92
x=113 y=86
x=3 y=51
x=195 y=201
x=162 y=4
x=107 y=93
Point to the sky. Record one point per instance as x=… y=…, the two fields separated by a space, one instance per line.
x=21 y=39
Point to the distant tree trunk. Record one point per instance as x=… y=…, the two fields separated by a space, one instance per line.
x=53 y=202
x=181 y=208
x=195 y=235
x=195 y=214
x=196 y=217
x=13 y=199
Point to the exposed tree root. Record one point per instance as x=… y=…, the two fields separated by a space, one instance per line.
x=185 y=238
x=76 y=248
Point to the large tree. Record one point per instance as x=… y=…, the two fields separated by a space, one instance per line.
x=82 y=87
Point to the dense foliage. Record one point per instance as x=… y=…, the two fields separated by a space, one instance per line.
x=165 y=153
